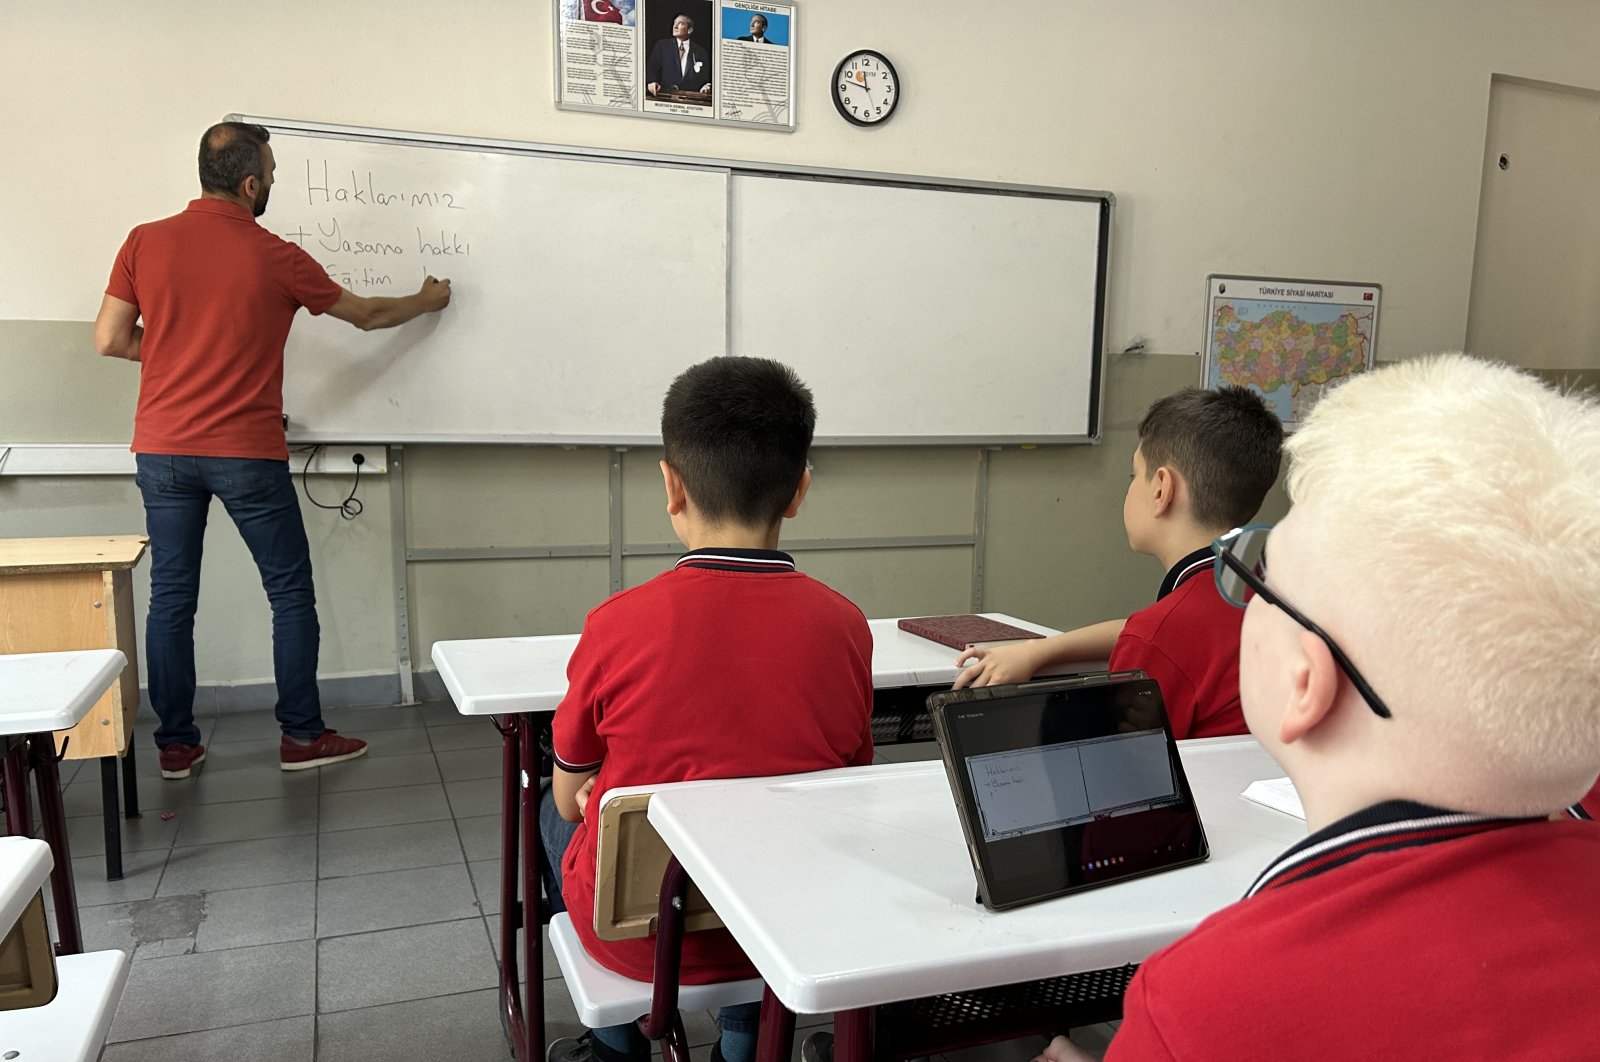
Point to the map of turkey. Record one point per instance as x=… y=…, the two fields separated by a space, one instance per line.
x=1289 y=352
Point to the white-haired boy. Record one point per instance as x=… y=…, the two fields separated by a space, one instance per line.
x=1420 y=653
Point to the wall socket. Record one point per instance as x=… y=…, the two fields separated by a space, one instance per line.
x=342 y=459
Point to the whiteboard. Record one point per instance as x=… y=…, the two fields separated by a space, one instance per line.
x=916 y=310
x=919 y=311
x=581 y=287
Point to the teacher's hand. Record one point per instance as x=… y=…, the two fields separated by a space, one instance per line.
x=435 y=294
x=653 y=88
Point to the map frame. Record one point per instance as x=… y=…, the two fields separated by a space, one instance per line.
x=1227 y=287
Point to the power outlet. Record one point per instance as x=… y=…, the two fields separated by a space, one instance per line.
x=342 y=460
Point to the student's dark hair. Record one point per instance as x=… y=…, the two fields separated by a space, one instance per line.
x=738 y=430
x=1226 y=444
x=230 y=152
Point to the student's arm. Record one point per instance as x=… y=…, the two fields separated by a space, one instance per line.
x=1019 y=662
x=571 y=790
x=116 y=329
x=368 y=313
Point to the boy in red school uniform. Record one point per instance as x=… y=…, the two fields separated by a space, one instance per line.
x=732 y=664
x=1204 y=462
x=1419 y=654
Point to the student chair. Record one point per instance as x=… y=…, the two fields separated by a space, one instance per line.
x=640 y=889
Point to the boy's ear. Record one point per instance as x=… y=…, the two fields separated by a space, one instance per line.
x=1313 y=689
x=799 y=494
x=677 y=496
x=1164 y=490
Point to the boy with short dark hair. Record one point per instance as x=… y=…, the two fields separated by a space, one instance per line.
x=1204 y=462
x=732 y=664
x=1446 y=512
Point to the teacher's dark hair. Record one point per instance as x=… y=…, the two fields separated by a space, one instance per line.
x=230 y=152
x=738 y=430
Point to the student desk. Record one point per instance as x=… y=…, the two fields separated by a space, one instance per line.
x=58 y=594
x=510 y=678
x=853 y=888
x=41 y=693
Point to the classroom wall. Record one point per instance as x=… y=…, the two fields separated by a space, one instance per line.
x=1260 y=136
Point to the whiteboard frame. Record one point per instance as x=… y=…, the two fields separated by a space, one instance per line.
x=1105 y=201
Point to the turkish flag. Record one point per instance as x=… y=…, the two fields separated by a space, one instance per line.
x=1366 y=296
x=601 y=11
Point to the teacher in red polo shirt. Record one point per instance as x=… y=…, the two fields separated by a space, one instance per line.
x=216 y=293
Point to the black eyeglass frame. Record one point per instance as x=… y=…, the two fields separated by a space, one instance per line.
x=1222 y=547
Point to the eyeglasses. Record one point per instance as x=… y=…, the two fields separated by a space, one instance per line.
x=1241 y=572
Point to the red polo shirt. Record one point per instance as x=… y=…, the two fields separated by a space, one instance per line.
x=1188 y=641
x=1400 y=932
x=731 y=665
x=217 y=293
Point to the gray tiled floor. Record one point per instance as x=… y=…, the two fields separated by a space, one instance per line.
x=345 y=915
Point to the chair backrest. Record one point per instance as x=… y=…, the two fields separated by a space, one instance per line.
x=27 y=961
x=632 y=858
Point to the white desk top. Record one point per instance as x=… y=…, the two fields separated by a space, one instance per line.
x=53 y=691
x=853 y=887
x=24 y=868
x=73 y=1026
x=495 y=676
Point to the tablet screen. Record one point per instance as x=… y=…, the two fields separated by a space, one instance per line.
x=1065 y=785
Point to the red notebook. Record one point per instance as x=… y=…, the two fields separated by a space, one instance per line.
x=958 y=632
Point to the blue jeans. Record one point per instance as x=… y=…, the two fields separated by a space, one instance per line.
x=739 y=1023
x=260 y=497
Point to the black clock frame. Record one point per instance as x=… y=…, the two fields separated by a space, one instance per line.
x=838 y=105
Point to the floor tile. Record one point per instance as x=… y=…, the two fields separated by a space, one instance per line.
x=86 y=835
x=480 y=836
x=475 y=734
x=478 y=796
x=240 y=864
x=385 y=743
x=486 y=881
x=285 y=1040
x=249 y=725
x=461 y=1028
x=266 y=914
x=236 y=755
x=384 y=807
x=381 y=772
x=247 y=820
x=396 y=965
x=214 y=784
x=470 y=763
x=210 y=990
x=84 y=796
x=141 y=874
x=380 y=848
x=359 y=722
x=442 y=713
x=393 y=899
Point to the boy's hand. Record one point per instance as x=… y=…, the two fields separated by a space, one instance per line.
x=996 y=665
x=1063 y=1050
x=582 y=796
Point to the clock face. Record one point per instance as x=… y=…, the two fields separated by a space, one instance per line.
x=866 y=88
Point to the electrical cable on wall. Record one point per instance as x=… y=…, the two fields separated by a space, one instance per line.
x=351 y=507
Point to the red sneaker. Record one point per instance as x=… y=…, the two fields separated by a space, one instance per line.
x=177 y=760
x=329 y=748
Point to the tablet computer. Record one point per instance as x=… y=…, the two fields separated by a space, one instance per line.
x=1066 y=784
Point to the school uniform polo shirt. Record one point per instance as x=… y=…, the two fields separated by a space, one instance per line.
x=1188 y=641
x=1400 y=932
x=217 y=293
x=731 y=665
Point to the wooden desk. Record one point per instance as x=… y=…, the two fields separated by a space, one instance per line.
x=60 y=594
x=41 y=693
x=853 y=888
x=511 y=678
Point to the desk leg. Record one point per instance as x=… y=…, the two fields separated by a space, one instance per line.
x=852 y=1036
x=130 y=784
x=532 y=905
x=775 y=1041
x=52 y=816
x=19 y=817
x=511 y=1009
x=110 y=816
